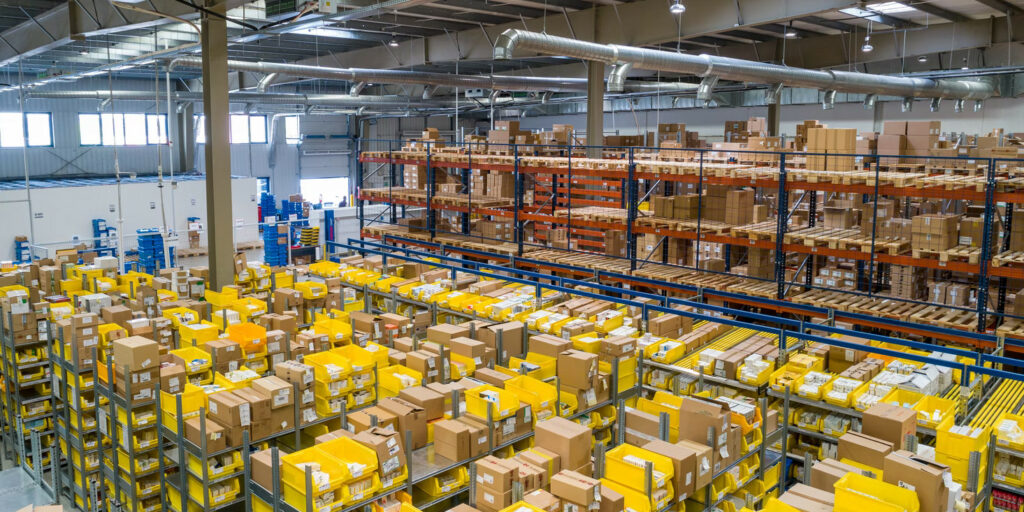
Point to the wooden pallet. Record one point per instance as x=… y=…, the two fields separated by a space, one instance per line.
x=962 y=253
x=767 y=230
x=1008 y=258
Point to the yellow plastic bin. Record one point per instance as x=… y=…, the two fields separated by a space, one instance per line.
x=857 y=493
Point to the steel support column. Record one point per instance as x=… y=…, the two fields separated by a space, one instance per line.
x=218 y=147
x=774 y=117
x=595 y=108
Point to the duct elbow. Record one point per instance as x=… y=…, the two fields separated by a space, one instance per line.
x=617 y=77
x=506 y=44
x=265 y=82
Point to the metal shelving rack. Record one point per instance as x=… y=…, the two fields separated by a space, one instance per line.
x=129 y=471
x=635 y=166
x=29 y=438
x=76 y=402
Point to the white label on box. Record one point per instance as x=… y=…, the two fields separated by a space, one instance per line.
x=213 y=407
x=244 y=413
x=87 y=331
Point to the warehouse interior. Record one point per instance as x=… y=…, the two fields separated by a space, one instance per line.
x=511 y=256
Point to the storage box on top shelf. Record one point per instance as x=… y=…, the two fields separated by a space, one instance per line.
x=934 y=232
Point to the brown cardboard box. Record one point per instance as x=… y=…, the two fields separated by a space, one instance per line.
x=277 y=389
x=864 y=449
x=226 y=354
x=548 y=345
x=611 y=501
x=361 y=419
x=576 y=488
x=172 y=378
x=641 y=427
x=388 y=445
x=890 y=423
x=825 y=473
x=444 y=333
x=542 y=458
x=496 y=474
x=136 y=352
x=451 y=440
x=576 y=368
x=489 y=501
x=259 y=410
x=697 y=416
x=262 y=469
x=923 y=476
x=569 y=440
x=431 y=401
x=229 y=409
x=477 y=436
x=411 y=418
x=684 y=462
x=427 y=363
x=543 y=500
x=703 y=468
x=215 y=440
x=511 y=336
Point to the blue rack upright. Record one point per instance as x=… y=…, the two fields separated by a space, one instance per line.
x=151 y=250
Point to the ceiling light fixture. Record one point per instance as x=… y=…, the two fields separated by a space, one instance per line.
x=923 y=58
x=790 y=33
x=867 y=45
x=677 y=7
x=393 y=42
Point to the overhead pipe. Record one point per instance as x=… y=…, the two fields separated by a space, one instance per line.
x=740 y=70
x=398 y=76
x=343 y=100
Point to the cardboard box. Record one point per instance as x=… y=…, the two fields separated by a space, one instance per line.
x=925 y=477
x=411 y=418
x=215 y=440
x=684 y=462
x=496 y=474
x=825 y=473
x=445 y=333
x=277 y=389
x=890 y=423
x=388 y=445
x=703 y=462
x=136 y=353
x=576 y=488
x=489 y=501
x=697 y=416
x=172 y=378
x=431 y=401
x=451 y=440
x=548 y=345
x=576 y=368
x=543 y=500
x=362 y=419
x=864 y=449
x=569 y=440
x=229 y=409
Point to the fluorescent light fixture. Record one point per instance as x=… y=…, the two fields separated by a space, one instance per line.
x=890 y=7
x=327 y=32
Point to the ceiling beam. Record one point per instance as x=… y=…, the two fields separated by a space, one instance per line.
x=1002 y=6
x=781 y=30
x=941 y=12
x=827 y=23
x=76 y=19
x=639 y=23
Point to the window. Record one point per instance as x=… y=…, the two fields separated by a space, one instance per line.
x=243 y=129
x=111 y=129
x=327 y=192
x=291 y=130
x=12 y=129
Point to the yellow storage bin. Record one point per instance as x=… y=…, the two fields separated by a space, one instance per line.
x=535 y=365
x=541 y=396
x=311 y=290
x=140 y=416
x=329 y=367
x=217 y=466
x=625 y=464
x=218 y=493
x=192 y=399
x=903 y=398
x=503 y=403
x=198 y=333
x=857 y=493
x=445 y=483
x=196 y=359
x=396 y=378
x=330 y=406
x=633 y=500
x=360 y=397
x=839 y=400
x=787 y=376
x=1006 y=437
x=932 y=410
x=666 y=351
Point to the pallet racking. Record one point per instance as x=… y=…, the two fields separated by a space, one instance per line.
x=985 y=479
x=28 y=406
x=639 y=173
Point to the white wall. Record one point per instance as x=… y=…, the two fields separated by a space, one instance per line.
x=998 y=113
x=65 y=212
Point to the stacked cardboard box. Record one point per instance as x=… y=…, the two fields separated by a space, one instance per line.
x=506 y=133
x=907 y=282
x=671 y=132
x=739 y=207
x=736 y=131
x=828 y=142
x=972 y=233
x=834 y=277
x=760 y=263
x=934 y=232
x=494 y=230
x=950 y=294
x=922 y=136
x=802 y=129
